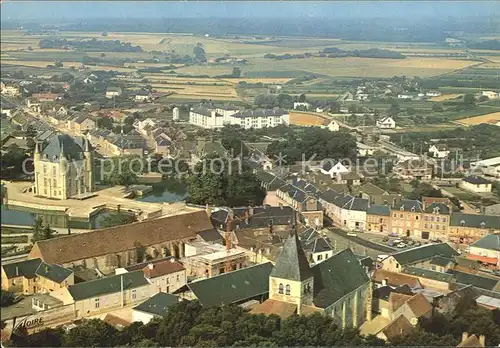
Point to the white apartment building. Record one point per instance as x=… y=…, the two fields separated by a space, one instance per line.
x=217 y=117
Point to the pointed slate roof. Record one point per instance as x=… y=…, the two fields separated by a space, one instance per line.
x=292 y=262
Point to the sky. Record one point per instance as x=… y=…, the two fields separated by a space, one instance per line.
x=68 y=10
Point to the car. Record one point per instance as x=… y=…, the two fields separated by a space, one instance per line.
x=401 y=245
x=352 y=234
x=381 y=257
x=397 y=241
x=417 y=243
x=410 y=242
x=385 y=239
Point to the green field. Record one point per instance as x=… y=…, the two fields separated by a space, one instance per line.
x=14 y=239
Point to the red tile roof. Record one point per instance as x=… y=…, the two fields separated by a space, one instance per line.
x=159 y=269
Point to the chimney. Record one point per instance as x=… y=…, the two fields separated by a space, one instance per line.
x=172 y=259
x=384 y=282
x=246 y=216
x=151 y=266
x=208 y=210
x=17 y=271
x=465 y=336
x=482 y=340
x=121 y=290
x=250 y=211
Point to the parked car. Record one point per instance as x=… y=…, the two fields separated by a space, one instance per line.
x=385 y=239
x=401 y=245
x=382 y=257
x=352 y=234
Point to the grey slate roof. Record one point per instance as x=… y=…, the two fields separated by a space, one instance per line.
x=441 y=261
x=424 y=252
x=321 y=245
x=233 y=287
x=371 y=189
x=427 y=273
x=262 y=217
x=490 y=242
x=376 y=209
x=473 y=220
x=72 y=148
x=409 y=205
x=475 y=280
x=439 y=208
x=337 y=276
x=476 y=180
x=36 y=267
x=292 y=263
x=158 y=304
x=107 y=285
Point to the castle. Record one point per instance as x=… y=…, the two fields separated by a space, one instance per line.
x=63 y=169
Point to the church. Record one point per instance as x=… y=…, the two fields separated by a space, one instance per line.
x=63 y=169
x=338 y=287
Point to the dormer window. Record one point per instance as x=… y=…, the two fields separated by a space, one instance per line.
x=280 y=289
x=462 y=223
x=402 y=208
x=413 y=209
x=483 y=224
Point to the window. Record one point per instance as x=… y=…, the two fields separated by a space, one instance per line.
x=444 y=219
x=395 y=215
x=437 y=219
x=400 y=216
x=280 y=289
x=134 y=294
x=96 y=303
x=320 y=257
x=432 y=218
x=287 y=290
x=416 y=217
x=168 y=280
x=177 y=278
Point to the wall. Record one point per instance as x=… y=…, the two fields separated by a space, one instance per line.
x=390 y=264
x=170 y=282
x=296 y=290
x=141 y=316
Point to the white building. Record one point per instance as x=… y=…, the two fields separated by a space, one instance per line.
x=439 y=151
x=218 y=117
x=490 y=94
x=475 y=184
x=175 y=114
x=331 y=125
x=300 y=105
x=488 y=247
x=489 y=167
x=143 y=96
x=113 y=92
x=333 y=169
x=433 y=94
x=10 y=90
x=386 y=123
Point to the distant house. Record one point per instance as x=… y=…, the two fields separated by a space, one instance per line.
x=433 y=94
x=10 y=90
x=490 y=94
x=143 y=96
x=406 y=96
x=113 y=92
x=333 y=169
x=300 y=105
x=476 y=184
x=414 y=169
x=154 y=307
x=331 y=125
x=386 y=123
x=439 y=151
x=486 y=250
x=469 y=228
x=82 y=124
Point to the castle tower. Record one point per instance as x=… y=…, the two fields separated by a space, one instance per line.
x=291 y=279
x=37 y=157
x=63 y=172
x=89 y=164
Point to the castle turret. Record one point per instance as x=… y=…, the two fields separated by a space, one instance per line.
x=89 y=164
x=64 y=171
x=37 y=157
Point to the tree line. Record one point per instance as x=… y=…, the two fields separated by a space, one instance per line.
x=189 y=324
x=90 y=45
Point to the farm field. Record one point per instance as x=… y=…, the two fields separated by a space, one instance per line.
x=306 y=119
x=488 y=118
x=445 y=97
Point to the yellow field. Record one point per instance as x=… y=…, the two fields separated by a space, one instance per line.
x=267 y=80
x=445 y=97
x=488 y=118
x=305 y=119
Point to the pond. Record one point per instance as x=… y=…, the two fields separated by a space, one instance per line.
x=166 y=191
x=21 y=216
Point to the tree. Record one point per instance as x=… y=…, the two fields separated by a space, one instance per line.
x=92 y=333
x=37 y=230
x=105 y=122
x=30 y=48
x=118 y=171
x=199 y=53
x=302 y=98
x=436 y=107
x=140 y=252
x=58 y=64
x=116 y=219
x=103 y=55
x=424 y=190
x=411 y=111
x=469 y=101
x=222 y=181
x=47 y=232
x=104 y=34
x=6 y=298
x=236 y=72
